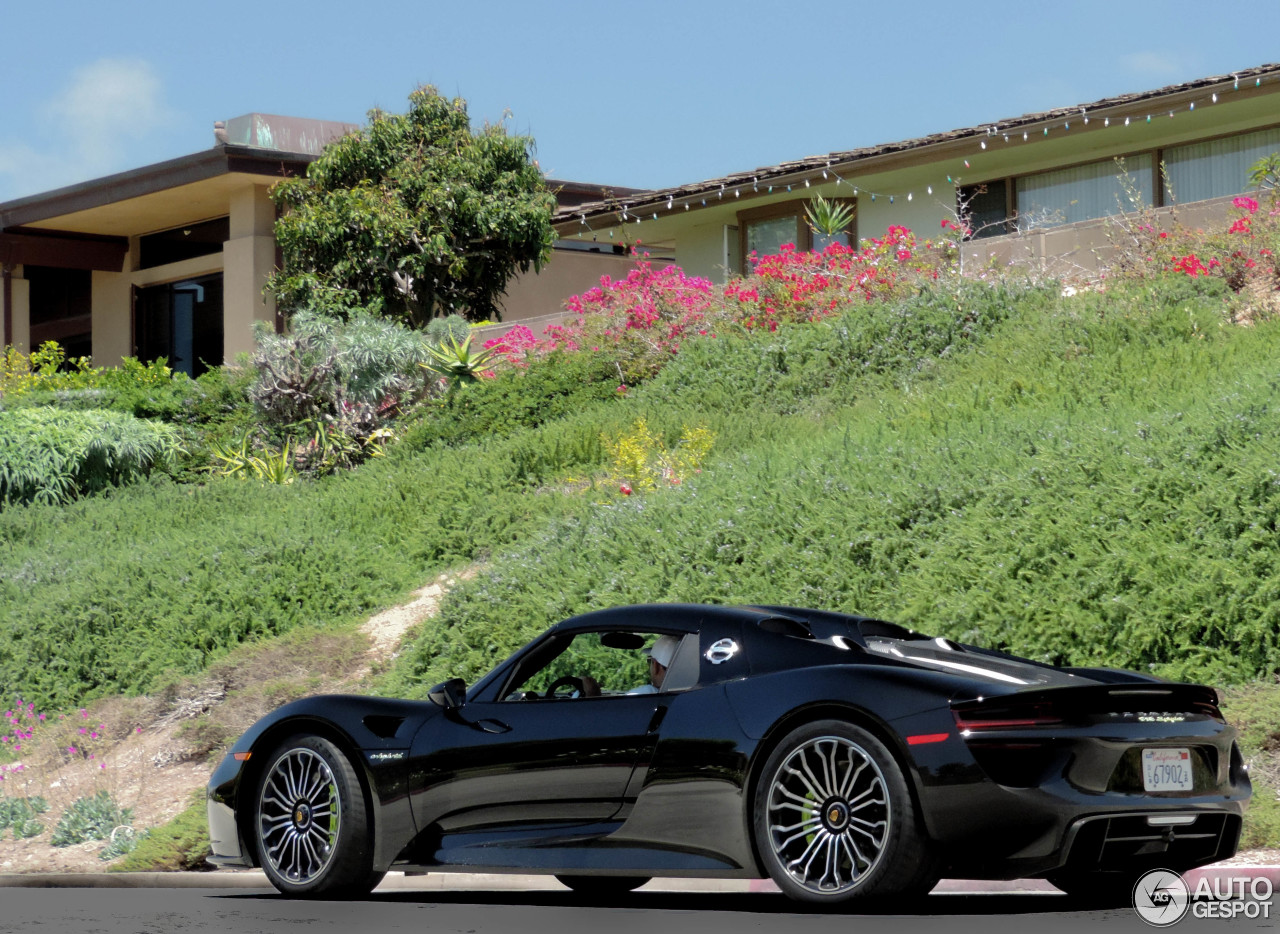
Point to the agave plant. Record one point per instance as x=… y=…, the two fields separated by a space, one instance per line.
x=458 y=363
x=829 y=217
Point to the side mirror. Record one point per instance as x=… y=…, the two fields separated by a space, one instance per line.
x=449 y=694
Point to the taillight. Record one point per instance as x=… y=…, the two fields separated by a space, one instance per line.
x=977 y=719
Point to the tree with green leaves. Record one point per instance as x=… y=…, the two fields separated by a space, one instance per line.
x=416 y=216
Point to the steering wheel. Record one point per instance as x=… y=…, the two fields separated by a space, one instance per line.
x=565 y=681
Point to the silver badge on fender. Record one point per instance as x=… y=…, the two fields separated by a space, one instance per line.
x=721 y=651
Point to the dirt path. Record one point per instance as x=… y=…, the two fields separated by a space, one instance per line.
x=141 y=751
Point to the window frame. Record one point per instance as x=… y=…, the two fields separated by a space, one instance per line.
x=794 y=207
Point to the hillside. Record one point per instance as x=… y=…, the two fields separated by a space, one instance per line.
x=1085 y=478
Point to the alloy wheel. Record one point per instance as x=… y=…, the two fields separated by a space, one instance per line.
x=828 y=815
x=299 y=815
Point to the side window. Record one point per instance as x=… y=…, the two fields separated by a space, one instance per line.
x=612 y=663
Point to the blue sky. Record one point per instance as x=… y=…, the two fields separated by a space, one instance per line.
x=636 y=94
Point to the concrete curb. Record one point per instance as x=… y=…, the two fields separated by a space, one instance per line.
x=471 y=882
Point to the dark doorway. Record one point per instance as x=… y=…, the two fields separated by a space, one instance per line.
x=181 y=321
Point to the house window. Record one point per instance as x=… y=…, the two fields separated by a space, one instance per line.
x=61 y=305
x=985 y=208
x=1215 y=168
x=1083 y=192
x=182 y=322
x=768 y=235
x=172 y=246
x=763 y=231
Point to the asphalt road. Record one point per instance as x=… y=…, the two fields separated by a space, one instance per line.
x=251 y=911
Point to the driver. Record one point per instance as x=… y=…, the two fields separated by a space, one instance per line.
x=660 y=655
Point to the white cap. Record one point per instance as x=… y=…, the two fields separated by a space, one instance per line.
x=664 y=650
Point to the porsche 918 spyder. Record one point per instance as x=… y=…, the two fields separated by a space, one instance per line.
x=839 y=755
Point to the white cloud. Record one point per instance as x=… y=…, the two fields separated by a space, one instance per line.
x=88 y=127
x=1152 y=64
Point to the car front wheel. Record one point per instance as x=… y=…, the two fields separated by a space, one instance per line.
x=311 y=822
x=834 y=818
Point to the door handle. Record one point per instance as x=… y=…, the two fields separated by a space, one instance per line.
x=656 y=719
x=491 y=726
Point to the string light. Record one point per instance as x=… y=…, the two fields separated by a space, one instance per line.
x=991 y=130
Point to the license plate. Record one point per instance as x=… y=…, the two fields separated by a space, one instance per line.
x=1166 y=769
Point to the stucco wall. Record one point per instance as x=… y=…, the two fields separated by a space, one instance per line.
x=570 y=272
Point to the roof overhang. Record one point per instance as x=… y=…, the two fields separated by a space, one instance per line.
x=154 y=197
x=768 y=180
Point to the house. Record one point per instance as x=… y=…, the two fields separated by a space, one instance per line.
x=1034 y=189
x=170 y=260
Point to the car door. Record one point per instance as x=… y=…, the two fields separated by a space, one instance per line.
x=557 y=741
x=488 y=764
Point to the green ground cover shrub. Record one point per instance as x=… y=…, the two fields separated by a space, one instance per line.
x=1094 y=484
x=121 y=593
x=549 y=389
x=52 y=456
x=90 y=818
x=1255 y=710
x=178 y=846
x=21 y=816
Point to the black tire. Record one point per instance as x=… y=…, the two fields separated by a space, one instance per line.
x=834 y=819
x=1097 y=889
x=311 y=822
x=602 y=885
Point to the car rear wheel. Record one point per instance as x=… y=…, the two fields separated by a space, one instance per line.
x=602 y=885
x=311 y=822
x=834 y=818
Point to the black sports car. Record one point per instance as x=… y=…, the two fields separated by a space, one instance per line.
x=840 y=755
